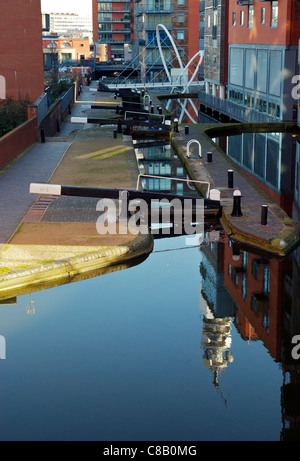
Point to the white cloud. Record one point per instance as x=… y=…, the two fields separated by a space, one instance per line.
x=83 y=7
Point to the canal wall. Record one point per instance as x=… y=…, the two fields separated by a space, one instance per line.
x=38 y=274
x=281 y=234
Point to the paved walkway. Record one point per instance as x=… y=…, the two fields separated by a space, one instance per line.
x=36 y=165
x=279 y=233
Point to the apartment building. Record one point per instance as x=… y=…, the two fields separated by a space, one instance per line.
x=296 y=96
x=57 y=49
x=113 y=26
x=180 y=18
x=262 y=56
x=216 y=47
x=70 y=24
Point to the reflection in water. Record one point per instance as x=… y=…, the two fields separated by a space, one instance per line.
x=261 y=297
x=31 y=308
x=244 y=298
x=216 y=307
x=257 y=295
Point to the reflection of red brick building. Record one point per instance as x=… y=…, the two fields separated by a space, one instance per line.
x=256 y=285
x=21 y=48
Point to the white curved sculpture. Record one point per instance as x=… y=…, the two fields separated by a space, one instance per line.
x=180 y=88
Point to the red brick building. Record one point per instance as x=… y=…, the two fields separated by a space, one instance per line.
x=21 y=50
x=113 y=25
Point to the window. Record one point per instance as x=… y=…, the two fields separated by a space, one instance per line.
x=180 y=35
x=214 y=61
x=263 y=16
x=233 y=18
x=180 y=2
x=250 y=16
x=180 y=17
x=242 y=18
x=274 y=13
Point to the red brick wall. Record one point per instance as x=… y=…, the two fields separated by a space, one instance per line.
x=17 y=140
x=193 y=28
x=21 y=48
x=95 y=21
x=53 y=120
x=286 y=33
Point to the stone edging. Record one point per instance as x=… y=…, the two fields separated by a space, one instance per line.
x=16 y=279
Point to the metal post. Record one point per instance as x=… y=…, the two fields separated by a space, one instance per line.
x=42 y=135
x=119 y=126
x=264 y=215
x=176 y=125
x=186 y=130
x=230 y=179
x=236 y=210
x=209 y=157
x=115 y=133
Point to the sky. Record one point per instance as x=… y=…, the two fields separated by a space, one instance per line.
x=82 y=7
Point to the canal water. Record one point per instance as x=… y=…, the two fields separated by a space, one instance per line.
x=195 y=343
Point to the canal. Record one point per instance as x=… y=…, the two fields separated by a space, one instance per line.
x=192 y=344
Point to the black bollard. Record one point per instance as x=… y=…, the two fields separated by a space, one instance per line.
x=42 y=135
x=115 y=133
x=236 y=210
x=57 y=125
x=117 y=109
x=186 y=130
x=264 y=215
x=209 y=157
x=119 y=126
x=176 y=125
x=160 y=110
x=230 y=179
x=152 y=110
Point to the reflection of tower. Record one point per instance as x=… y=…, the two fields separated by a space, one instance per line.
x=216 y=306
x=216 y=342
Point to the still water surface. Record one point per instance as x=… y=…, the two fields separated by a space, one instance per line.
x=192 y=344
x=119 y=357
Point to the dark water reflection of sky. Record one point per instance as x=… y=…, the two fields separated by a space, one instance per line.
x=118 y=357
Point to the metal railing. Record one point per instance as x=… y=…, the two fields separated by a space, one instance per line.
x=173 y=179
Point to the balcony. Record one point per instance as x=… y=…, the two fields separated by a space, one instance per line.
x=245 y=2
x=233 y=110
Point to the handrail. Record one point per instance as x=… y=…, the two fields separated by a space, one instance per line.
x=175 y=179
